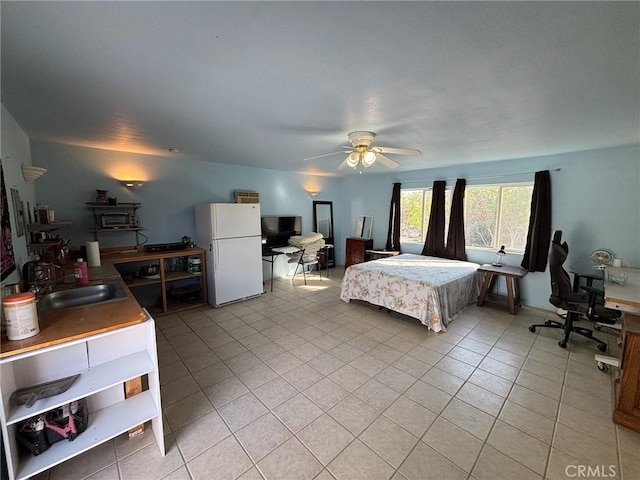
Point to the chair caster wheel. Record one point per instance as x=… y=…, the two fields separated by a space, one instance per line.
x=562 y=343
x=602 y=367
x=532 y=328
x=602 y=348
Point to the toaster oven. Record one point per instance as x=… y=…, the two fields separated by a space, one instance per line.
x=118 y=220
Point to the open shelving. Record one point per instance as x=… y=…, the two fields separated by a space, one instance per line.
x=155 y=293
x=96 y=208
x=40 y=246
x=104 y=361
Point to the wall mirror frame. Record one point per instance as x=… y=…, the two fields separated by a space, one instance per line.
x=364 y=226
x=323 y=223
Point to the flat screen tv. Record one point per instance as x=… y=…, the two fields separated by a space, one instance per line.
x=276 y=229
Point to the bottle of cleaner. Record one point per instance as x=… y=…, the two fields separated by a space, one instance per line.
x=81 y=272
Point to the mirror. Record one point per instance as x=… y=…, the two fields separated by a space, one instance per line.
x=323 y=218
x=323 y=223
x=364 y=226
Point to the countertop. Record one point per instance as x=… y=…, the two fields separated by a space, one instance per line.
x=141 y=256
x=76 y=323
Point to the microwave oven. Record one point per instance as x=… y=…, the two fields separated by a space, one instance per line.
x=118 y=220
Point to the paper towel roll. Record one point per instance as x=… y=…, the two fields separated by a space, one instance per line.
x=93 y=254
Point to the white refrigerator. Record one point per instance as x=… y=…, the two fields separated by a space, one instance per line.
x=232 y=237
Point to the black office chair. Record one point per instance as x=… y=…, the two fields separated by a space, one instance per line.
x=576 y=304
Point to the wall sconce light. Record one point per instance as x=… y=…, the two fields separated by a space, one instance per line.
x=313 y=193
x=132 y=184
x=30 y=173
x=499 y=254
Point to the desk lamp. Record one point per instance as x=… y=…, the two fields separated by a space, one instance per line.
x=499 y=254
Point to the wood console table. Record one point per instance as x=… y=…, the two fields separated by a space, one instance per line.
x=512 y=276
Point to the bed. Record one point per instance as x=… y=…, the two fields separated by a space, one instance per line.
x=433 y=290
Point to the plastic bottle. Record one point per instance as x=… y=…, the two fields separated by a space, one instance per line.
x=193 y=265
x=80 y=271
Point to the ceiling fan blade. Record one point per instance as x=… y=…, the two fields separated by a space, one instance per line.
x=386 y=161
x=323 y=155
x=397 y=151
x=343 y=165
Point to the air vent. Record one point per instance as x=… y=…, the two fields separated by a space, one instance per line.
x=246 y=196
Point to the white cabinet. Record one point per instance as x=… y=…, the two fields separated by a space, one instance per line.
x=104 y=361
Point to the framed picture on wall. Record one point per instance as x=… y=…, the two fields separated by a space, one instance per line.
x=7 y=257
x=18 y=210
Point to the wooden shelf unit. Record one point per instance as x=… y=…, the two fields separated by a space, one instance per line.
x=130 y=264
x=96 y=208
x=39 y=247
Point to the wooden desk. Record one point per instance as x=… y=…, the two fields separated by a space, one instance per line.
x=512 y=276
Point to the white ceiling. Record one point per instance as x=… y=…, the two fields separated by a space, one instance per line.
x=267 y=84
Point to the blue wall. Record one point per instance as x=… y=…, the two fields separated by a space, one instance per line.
x=173 y=187
x=15 y=152
x=596 y=197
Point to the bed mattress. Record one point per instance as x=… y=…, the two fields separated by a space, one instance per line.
x=433 y=290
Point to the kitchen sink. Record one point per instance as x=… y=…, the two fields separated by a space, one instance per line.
x=81 y=296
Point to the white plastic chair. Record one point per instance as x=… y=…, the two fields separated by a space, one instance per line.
x=306 y=257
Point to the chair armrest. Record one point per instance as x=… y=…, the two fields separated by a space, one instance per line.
x=589 y=277
x=593 y=291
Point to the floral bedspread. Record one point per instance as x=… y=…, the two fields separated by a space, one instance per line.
x=433 y=290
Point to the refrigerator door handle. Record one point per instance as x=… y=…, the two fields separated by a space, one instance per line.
x=216 y=257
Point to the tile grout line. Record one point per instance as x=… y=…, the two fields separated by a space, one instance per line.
x=418 y=379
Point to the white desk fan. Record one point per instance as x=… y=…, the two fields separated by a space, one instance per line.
x=601 y=258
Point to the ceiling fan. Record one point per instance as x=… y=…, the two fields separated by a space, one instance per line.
x=362 y=152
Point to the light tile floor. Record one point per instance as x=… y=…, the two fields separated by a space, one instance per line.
x=299 y=385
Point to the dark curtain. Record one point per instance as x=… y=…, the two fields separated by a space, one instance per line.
x=393 y=236
x=455 y=238
x=539 y=233
x=434 y=243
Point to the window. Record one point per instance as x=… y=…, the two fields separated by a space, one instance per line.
x=495 y=215
x=415 y=206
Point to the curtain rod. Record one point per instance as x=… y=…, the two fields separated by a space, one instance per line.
x=481 y=178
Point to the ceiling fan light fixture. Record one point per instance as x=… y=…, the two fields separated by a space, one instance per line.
x=363 y=153
x=352 y=159
x=368 y=159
